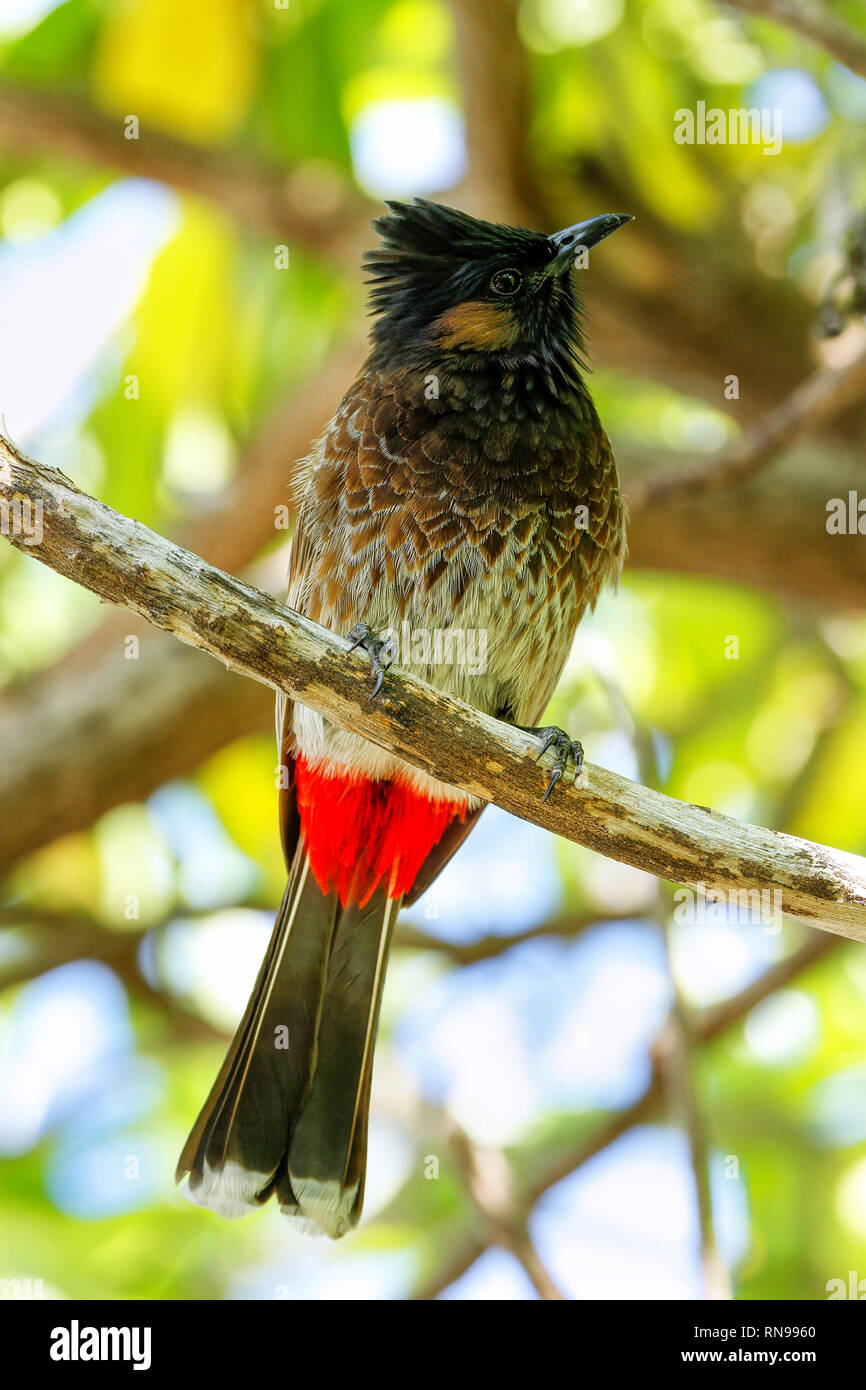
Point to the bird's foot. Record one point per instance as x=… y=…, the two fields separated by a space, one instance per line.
x=381 y=654
x=554 y=737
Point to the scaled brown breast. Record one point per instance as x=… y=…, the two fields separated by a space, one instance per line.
x=422 y=482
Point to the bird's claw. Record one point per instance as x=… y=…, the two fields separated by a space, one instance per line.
x=362 y=636
x=566 y=748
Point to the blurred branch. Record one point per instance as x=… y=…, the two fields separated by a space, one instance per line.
x=674 y=1046
x=113 y=733
x=813 y=22
x=231 y=533
x=708 y=1026
x=825 y=394
x=769 y=532
x=56 y=938
x=490 y=1183
x=844 y=299
x=128 y=564
x=827 y=724
x=494 y=82
x=672 y=1052
x=251 y=191
x=566 y=927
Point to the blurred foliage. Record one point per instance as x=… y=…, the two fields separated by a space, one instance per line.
x=772 y=727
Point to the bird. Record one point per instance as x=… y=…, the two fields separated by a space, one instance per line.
x=464 y=494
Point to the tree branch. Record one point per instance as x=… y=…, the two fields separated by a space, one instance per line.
x=709 y=1025
x=673 y=1053
x=66 y=732
x=823 y=395
x=127 y=564
x=814 y=23
x=56 y=938
x=674 y=1046
x=565 y=927
x=254 y=193
x=490 y=1185
x=493 y=68
x=113 y=734
x=782 y=548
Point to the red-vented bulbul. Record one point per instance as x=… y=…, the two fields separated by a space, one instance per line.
x=465 y=487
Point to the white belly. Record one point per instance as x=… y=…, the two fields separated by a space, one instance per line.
x=505 y=648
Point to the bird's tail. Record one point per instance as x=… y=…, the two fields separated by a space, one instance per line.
x=288 y=1112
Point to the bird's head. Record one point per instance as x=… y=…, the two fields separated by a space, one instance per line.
x=447 y=283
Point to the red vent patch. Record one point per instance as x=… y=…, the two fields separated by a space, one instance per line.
x=360 y=833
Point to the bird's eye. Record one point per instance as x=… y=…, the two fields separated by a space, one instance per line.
x=506 y=282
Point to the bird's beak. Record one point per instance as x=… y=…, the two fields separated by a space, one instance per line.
x=568 y=242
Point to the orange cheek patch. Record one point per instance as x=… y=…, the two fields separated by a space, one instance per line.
x=477 y=326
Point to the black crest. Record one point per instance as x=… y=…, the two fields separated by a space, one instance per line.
x=433 y=257
x=414 y=231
